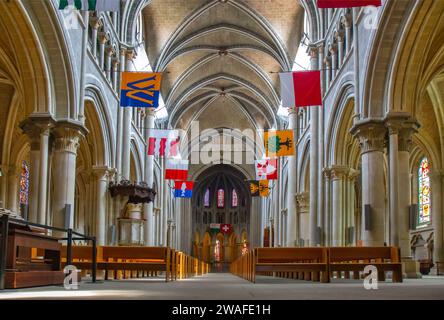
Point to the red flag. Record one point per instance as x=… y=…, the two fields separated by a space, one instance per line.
x=347 y=3
x=226 y=228
x=301 y=89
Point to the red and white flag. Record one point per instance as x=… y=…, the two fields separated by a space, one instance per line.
x=347 y=3
x=301 y=89
x=176 y=169
x=267 y=169
x=163 y=143
x=226 y=228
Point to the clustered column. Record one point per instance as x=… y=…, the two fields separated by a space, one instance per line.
x=292 y=224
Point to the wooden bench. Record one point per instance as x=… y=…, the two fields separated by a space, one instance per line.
x=355 y=259
x=138 y=259
x=82 y=256
x=312 y=262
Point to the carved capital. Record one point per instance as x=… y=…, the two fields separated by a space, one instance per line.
x=371 y=135
x=95 y=22
x=303 y=200
x=103 y=37
x=67 y=136
x=130 y=54
x=110 y=51
x=35 y=126
x=339 y=172
x=101 y=173
x=404 y=126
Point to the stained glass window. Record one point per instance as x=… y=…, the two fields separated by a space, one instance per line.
x=424 y=201
x=234 y=199
x=24 y=183
x=207 y=199
x=220 y=198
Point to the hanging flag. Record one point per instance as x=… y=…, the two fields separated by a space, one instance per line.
x=267 y=169
x=176 y=169
x=279 y=143
x=183 y=189
x=91 y=5
x=259 y=188
x=254 y=188
x=215 y=227
x=163 y=143
x=301 y=89
x=140 y=89
x=226 y=228
x=264 y=188
x=322 y=4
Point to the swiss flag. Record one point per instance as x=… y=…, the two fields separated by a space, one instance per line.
x=347 y=3
x=226 y=228
x=301 y=89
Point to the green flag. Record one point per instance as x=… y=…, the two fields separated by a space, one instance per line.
x=91 y=5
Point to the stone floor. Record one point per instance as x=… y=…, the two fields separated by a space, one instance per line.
x=224 y=286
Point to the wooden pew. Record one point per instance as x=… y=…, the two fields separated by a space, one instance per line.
x=346 y=259
x=138 y=259
x=311 y=261
x=82 y=256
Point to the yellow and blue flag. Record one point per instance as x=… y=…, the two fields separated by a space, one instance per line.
x=140 y=89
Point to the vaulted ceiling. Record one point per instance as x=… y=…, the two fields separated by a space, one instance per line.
x=220 y=58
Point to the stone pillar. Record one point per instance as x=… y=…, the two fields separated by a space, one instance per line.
x=371 y=135
x=44 y=173
x=346 y=21
x=340 y=46
x=393 y=183
x=115 y=64
x=101 y=178
x=321 y=146
x=334 y=60
x=103 y=38
x=338 y=176
x=149 y=178
x=314 y=157
x=327 y=211
x=95 y=23
x=327 y=72
x=437 y=180
x=292 y=221
x=303 y=200
x=126 y=130
x=67 y=137
x=109 y=52
x=119 y=142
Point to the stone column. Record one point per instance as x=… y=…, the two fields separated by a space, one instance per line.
x=115 y=64
x=303 y=200
x=101 y=178
x=327 y=72
x=149 y=177
x=95 y=24
x=103 y=38
x=67 y=137
x=44 y=173
x=126 y=130
x=120 y=111
x=327 y=211
x=340 y=38
x=338 y=176
x=437 y=180
x=346 y=21
x=109 y=52
x=393 y=182
x=334 y=60
x=351 y=215
x=410 y=266
x=292 y=221
x=314 y=157
x=371 y=135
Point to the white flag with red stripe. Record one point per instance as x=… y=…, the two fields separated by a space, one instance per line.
x=163 y=143
x=176 y=169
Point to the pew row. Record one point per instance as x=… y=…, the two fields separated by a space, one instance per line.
x=318 y=264
x=137 y=262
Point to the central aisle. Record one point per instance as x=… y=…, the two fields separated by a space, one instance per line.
x=224 y=286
